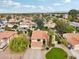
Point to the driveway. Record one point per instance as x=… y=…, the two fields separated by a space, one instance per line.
x=7 y=54
x=75 y=53
x=33 y=54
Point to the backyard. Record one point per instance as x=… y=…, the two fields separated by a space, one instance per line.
x=56 y=53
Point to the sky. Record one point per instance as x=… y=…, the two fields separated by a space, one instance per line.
x=37 y=6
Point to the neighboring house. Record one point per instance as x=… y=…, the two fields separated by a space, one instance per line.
x=39 y=39
x=2 y=30
x=12 y=22
x=26 y=24
x=2 y=23
x=65 y=16
x=49 y=24
x=76 y=24
x=5 y=37
x=73 y=39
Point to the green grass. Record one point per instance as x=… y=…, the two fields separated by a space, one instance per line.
x=56 y=53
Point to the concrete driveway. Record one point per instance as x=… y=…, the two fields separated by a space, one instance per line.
x=33 y=54
x=75 y=53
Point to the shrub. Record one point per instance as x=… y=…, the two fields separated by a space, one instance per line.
x=18 y=44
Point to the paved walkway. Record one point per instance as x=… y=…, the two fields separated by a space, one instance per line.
x=33 y=54
x=75 y=53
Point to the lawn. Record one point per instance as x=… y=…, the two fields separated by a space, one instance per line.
x=56 y=53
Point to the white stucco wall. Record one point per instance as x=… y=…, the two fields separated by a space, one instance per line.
x=76 y=47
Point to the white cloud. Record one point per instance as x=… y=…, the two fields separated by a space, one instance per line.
x=42 y=7
x=28 y=6
x=57 y=4
x=45 y=8
x=16 y=5
x=67 y=1
x=9 y=3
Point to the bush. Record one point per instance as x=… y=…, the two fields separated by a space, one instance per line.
x=18 y=44
x=7 y=28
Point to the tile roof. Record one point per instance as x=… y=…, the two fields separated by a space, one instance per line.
x=76 y=24
x=13 y=20
x=72 y=38
x=39 y=34
x=7 y=34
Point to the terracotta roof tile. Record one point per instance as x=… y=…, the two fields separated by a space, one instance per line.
x=72 y=38
x=39 y=34
x=6 y=34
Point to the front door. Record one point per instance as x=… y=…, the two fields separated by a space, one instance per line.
x=44 y=43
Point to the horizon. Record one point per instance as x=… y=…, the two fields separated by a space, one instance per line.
x=37 y=6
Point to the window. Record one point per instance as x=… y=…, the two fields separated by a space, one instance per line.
x=38 y=39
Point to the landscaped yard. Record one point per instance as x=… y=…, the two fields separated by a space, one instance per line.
x=56 y=53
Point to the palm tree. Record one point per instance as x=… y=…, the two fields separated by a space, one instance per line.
x=73 y=14
x=51 y=34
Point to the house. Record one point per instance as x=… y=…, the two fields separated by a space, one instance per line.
x=26 y=24
x=12 y=22
x=5 y=37
x=73 y=39
x=39 y=39
x=76 y=24
x=2 y=23
x=2 y=30
x=49 y=24
x=65 y=16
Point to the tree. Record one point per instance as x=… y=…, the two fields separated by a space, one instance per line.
x=15 y=27
x=73 y=14
x=18 y=44
x=7 y=28
x=70 y=18
x=54 y=19
x=61 y=24
x=64 y=27
x=51 y=34
x=69 y=28
x=29 y=32
x=39 y=23
x=8 y=17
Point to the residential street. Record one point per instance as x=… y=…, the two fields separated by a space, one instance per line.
x=33 y=54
